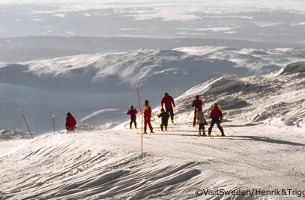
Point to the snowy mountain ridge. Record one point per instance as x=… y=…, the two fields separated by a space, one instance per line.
x=276 y=98
x=90 y=83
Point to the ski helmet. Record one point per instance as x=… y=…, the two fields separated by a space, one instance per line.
x=197 y=96
x=131 y=107
x=146 y=102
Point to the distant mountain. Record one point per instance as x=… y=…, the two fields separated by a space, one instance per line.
x=103 y=85
x=21 y=49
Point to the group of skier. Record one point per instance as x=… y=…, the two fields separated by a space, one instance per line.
x=168 y=103
x=167 y=110
x=215 y=115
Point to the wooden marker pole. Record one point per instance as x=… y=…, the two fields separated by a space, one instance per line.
x=26 y=122
x=141 y=120
x=54 y=124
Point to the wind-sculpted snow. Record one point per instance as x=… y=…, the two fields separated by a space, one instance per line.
x=175 y=165
x=67 y=167
x=13 y=135
x=292 y=68
x=105 y=162
x=275 y=98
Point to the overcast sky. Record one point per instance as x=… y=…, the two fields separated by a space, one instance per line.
x=255 y=20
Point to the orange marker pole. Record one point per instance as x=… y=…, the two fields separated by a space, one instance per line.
x=26 y=122
x=194 y=121
x=53 y=124
x=141 y=120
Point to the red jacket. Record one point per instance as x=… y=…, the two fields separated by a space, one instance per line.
x=216 y=112
x=147 y=112
x=132 y=113
x=70 y=121
x=198 y=104
x=168 y=101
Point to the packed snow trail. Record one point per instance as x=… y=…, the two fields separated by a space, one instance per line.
x=176 y=164
x=263 y=152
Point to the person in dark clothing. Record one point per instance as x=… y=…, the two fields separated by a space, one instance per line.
x=133 y=118
x=164 y=116
x=197 y=103
x=70 y=122
x=216 y=116
x=169 y=103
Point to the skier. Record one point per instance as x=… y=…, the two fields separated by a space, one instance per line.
x=197 y=103
x=216 y=116
x=164 y=116
x=70 y=122
x=201 y=121
x=169 y=102
x=147 y=116
x=133 y=118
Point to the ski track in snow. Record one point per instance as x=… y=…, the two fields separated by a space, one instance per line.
x=108 y=164
x=264 y=149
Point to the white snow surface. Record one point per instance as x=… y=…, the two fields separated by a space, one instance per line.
x=262 y=155
x=108 y=164
x=277 y=98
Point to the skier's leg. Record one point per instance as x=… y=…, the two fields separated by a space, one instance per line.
x=150 y=127
x=204 y=134
x=172 y=114
x=211 y=126
x=200 y=127
x=145 y=125
x=220 y=128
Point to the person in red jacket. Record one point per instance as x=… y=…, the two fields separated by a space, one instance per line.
x=216 y=116
x=133 y=118
x=147 y=116
x=70 y=122
x=169 y=102
x=197 y=103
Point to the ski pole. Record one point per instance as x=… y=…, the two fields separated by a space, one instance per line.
x=188 y=116
x=155 y=122
x=229 y=127
x=175 y=119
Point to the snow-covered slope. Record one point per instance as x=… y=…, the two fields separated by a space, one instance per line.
x=98 y=88
x=276 y=98
x=176 y=165
x=254 y=161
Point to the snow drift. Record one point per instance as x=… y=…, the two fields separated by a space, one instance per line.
x=276 y=98
x=107 y=164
